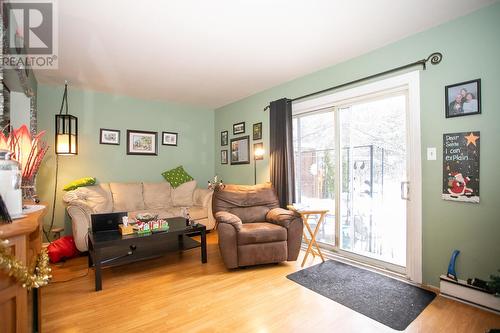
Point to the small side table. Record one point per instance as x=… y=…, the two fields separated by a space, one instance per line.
x=306 y=213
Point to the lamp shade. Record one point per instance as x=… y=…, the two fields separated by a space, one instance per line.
x=66 y=134
x=258 y=151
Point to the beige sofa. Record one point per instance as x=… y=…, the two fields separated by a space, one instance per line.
x=157 y=198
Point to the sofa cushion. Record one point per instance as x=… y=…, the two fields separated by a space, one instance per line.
x=97 y=197
x=127 y=197
x=157 y=195
x=177 y=176
x=260 y=232
x=182 y=196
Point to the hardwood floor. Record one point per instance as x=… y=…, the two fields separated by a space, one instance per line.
x=177 y=293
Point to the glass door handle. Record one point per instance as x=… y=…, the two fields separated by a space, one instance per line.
x=405 y=190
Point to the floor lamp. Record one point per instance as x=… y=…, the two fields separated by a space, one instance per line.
x=66 y=143
x=258 y=154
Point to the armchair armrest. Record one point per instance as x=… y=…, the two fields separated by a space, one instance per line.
x=228 y=218
x=292 y=221
x=282 y=217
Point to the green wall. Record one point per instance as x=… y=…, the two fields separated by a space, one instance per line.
x=471 y=49
x=96 y=110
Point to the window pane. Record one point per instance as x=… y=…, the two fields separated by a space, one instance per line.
x=314 y=139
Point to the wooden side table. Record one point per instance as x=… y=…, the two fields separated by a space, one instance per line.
x=20 y=310
x=306 y=213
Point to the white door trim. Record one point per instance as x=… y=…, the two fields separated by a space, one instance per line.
x=414 y=207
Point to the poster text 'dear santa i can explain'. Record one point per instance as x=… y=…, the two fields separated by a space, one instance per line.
x=461 y=166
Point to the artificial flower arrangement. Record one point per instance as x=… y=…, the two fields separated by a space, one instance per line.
x=29 y=152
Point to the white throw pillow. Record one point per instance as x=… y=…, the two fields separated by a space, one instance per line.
x=127 y=197
x=182 y=195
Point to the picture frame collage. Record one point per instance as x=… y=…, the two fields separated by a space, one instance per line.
x=238 y=151
x=139 y=142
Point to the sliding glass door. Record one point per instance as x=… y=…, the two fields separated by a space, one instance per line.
x=351 y=159
x=374 y=178
x=314 y=145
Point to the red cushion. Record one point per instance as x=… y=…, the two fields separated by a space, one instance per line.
x=62 y=248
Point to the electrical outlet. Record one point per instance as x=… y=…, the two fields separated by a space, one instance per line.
x=431 y=153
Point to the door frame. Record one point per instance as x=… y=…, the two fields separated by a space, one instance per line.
x=409 y=82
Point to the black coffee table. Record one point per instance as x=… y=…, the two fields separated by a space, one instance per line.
x=110 y=248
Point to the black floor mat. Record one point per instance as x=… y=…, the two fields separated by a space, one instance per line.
x=389 y=301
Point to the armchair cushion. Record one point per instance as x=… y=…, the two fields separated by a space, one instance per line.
x=281 y=217
x=249 y=202
x=261 y=232
x=228 y=218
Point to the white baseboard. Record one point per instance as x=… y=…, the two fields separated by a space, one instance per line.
x=462 y=292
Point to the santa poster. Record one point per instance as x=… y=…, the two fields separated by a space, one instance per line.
x=461 y=167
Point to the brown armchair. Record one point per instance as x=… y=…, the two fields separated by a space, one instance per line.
x=252 y=228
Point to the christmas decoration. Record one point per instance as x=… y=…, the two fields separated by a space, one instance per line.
x=35 y=276
x=215 y=184
x=461 y=167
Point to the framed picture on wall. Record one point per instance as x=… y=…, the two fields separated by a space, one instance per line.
x=223 y=156
x=109 y=136
x=463 y=99
x=239 y=128
x=142 y=143
x=169 y=139
x=240 y=150
x=223 y=138
x=257 y=131
x=461 y=155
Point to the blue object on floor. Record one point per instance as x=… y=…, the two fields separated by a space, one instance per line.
x=452 y=274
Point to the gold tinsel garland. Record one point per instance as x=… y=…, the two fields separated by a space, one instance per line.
x=35 y=276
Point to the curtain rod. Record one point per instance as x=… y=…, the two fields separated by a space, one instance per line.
x=435 y=58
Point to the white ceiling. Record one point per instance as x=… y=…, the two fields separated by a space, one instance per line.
x=212 y=53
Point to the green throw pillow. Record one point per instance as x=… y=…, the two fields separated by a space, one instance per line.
x=177 y=176
x=86 y=181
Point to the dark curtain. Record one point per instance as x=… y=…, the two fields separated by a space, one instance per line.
x=281 y=150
